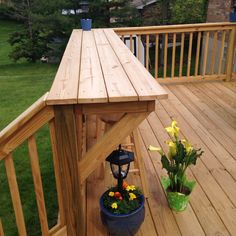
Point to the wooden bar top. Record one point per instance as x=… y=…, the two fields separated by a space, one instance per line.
x=97 y=67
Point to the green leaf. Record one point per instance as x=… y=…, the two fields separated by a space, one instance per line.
x=165 y=163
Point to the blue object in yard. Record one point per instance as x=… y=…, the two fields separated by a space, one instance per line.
x=232 y=17
x=86 y=24
x=122 y=224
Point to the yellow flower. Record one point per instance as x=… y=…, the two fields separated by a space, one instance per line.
x=173 y=130
x=128 y=188
x=114 y=205
x=132 y=196
x=132 y=187
x=172 y=149
x=187 y=146
x=111 y=194
x=152 y=148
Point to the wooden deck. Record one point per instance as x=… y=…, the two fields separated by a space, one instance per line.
x=206 y=114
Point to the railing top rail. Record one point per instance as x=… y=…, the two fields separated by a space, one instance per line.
x=175 y=28
x=23 y=118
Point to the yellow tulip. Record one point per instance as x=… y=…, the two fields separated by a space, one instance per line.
x=156 y=149
x=187 y=146
x=173 y=130
x=172 y=149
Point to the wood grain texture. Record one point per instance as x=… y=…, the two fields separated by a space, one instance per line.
x=181 y=55
x=15 y=195
x=156 y=55
x=147 y=52
x=1 y=229
x=67 y=150
x=230 y=54
x=111 y=108
x=165 y=55
x=97 y=154
x=38 y=186
x=173 y=56
x=118 y=85
x=144 y=84
x=213 y=54
x=81 y=143
x=205 y=55
x=55 y=155
x=189 y=53
x=65 y=86
x=61 y=232
x=22 y=119
x=25 y=131
x=92 y=88
x=140 y=162
x=174 y=28
x=197 y=53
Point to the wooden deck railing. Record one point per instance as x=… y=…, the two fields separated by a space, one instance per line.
x=20 y=130
x=182 y=53
x=190 y=61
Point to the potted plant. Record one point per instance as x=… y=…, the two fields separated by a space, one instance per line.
x=122 y=206
x=232 y=15
x=180 y=156
x=86 y=22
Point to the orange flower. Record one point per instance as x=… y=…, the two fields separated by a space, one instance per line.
x=125 y=185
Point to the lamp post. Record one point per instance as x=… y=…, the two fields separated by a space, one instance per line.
x=120 y=162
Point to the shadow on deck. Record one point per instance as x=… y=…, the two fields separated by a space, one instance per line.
x=206 y=114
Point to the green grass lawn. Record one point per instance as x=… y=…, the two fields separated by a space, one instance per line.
x=21 y=84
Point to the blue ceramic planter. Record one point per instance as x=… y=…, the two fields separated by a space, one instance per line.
x=232 y=17
x=123 y=224
x=86 y=24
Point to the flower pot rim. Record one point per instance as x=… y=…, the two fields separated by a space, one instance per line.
x=86 y=19
x=181 y=194
x=120 y=215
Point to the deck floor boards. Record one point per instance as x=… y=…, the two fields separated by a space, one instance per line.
x=206 y=114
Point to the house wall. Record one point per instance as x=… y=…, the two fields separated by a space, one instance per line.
x=218 y=11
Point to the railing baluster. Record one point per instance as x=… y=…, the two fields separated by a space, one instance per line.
x=173 y=56
x=221 y=52
x=165 y=55
x=15 y=195
x=147 y=52
x=197 y=53
x=139 y=47
x=57 y=171
x=189 y=53
x=213 y=55
x=230 y=54
x=156 y=55
x=131 y=42
x=123 y=38
x=38 y=187
x=181 y=55
x=1 y=229
x=205 y=54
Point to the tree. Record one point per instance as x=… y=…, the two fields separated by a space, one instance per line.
x=43 y=23
x=188 y=11
x=47 y=30
x=115 y=13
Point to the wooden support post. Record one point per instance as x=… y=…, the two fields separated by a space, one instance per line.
x=1 y=229
x=138 y=155
x=230 y=54
x=68 y=127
